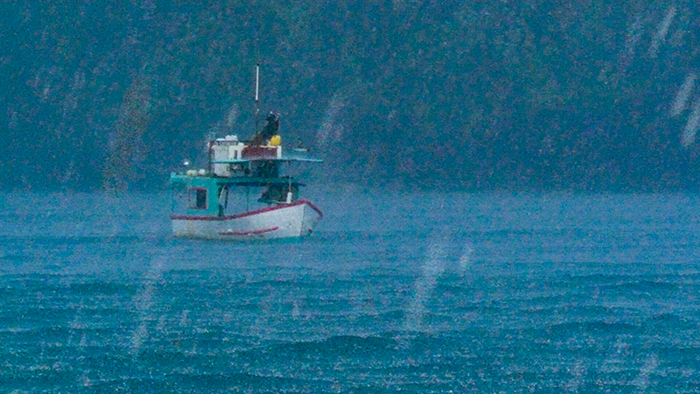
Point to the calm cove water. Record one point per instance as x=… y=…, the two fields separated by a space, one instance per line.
x=399 y=292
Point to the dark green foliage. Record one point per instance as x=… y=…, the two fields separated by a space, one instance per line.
x=428 y=94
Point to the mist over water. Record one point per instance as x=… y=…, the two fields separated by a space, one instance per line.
x=449 y=258
x=681 y=101
x=438 y=292
x=662 y=31
x=691 y=128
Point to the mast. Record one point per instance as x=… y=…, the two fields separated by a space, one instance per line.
x=257 y=97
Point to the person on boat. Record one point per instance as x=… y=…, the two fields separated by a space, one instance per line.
x=277 y=193
x=270 y=129
x=266 y=169
x=273 y=194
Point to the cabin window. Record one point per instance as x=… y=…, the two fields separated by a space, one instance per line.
x=198 y=198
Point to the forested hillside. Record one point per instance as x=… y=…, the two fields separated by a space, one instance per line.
x=452 y=95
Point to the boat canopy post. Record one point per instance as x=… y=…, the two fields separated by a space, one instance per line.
x=290 y=194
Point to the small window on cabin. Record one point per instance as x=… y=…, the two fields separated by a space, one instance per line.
x=198 y=198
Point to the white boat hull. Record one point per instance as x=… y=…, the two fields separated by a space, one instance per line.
x=282 y=221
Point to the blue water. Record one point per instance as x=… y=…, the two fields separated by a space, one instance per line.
x=399 y=292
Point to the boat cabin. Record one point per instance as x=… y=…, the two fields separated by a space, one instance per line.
x=239 y=178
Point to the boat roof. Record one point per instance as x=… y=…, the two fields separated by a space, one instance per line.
x=236 y=180
x=286 y=157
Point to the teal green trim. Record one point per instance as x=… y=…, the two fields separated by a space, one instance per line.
x=213 y=184
x=234 y=181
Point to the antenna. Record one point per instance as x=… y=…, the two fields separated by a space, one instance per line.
x=257 y=97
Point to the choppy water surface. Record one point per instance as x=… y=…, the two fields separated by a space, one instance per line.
x=414 y=292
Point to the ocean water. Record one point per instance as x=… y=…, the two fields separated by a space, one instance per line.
x=421 y=292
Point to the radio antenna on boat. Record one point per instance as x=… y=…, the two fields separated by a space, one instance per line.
x=257 y=97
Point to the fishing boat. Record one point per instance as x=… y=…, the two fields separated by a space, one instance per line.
x=242 y=194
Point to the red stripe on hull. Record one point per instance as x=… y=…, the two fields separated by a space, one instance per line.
x=244 y=214
x=254 y=232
